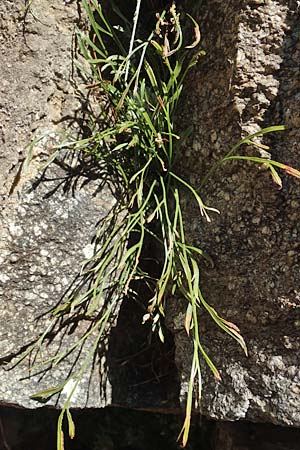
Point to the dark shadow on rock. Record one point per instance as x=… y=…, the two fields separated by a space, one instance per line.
x=97 y=429
x=125 y=429
x=142 y=369
x=251 y=436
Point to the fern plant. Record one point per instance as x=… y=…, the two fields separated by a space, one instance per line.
x=136 y=138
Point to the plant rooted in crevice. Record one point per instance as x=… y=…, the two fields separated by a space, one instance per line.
x=140 y=83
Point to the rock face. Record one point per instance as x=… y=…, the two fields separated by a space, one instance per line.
x=249 y=79
x=46 y=226
x=48 y=223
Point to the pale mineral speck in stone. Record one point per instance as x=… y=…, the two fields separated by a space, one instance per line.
x=231 y=286
x=37 y=231
x=15 y=230
x=30 y=296
x=88 y=251
x=4 y=278
x=295 y=388
x=67 y=390
x=22 y=211
x=33 y=269
x=276 y=362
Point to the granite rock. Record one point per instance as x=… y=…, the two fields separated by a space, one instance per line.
x=248 y=80
x=47 y=224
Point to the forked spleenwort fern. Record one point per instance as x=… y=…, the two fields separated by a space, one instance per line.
x=141 y=82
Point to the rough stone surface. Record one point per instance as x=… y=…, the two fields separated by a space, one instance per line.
x=247 y=436
x=48 y=222
x=248 y=80
x=46 y=226
x=36 y=70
